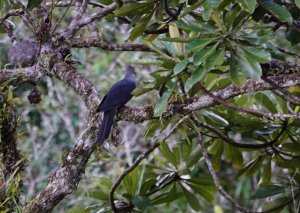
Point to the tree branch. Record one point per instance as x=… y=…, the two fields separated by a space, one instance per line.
x=140 y=114
x=250 y=111
x=78 y=24
x=83 y=87
x=218 y=184
x=20 y=75
x=67 y=177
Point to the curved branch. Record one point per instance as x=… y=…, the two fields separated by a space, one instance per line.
x=234 y=143
x=258 y=113
x=142 y=156
x=217 y=182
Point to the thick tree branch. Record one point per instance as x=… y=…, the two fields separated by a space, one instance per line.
x=259 y=113
x=84 y=88
x=140 y=114
x=19 y=75
x=65 y=180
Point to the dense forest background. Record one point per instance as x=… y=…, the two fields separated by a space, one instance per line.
x=213 y=125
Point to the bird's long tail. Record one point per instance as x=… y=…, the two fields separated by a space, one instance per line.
x=106 y=124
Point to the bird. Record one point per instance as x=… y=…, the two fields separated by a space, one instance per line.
x=118 y=95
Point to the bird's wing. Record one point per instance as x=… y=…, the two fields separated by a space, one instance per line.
x=118 y=95
x=99 y=107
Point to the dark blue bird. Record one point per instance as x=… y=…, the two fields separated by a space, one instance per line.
x=118 y=95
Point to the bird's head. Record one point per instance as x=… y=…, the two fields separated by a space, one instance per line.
x=130 y=71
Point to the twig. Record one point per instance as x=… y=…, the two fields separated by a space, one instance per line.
x=217 y=182
x=139 y=159
x=288 y=52
x=282 y=92
x=232 y=142
x=15 y=12
x=78 y=24
x=64 y=14
x=249 y=111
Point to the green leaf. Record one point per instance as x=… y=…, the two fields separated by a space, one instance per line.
x=166 y=152
x=128 y=9
x=33 y=3
x=97 y=194
x=265 y=101
x=215 y=146
x=266 y=174
x=233 y=155
x=141 y=202
x=280 y=12
x=187 y=10
x=268 y=191
x=197 y=75
x=218 y=156
x=215 y=117
x=259 y=54
x=162 y=104
x=297 y=2
x=156 y=49
x=141 y=90
x=251 y=167
x=191 y=199
x=147 y=185
x=209 y=8
x=215 y=59
x=131 y=181
x=166 y=198
x=140 y=27
x=194 y=157
x=180 y=66
x=250 y=66
x=199 y=57
x=247 y=5
x=199 y=44
x=231 y=15
x=275 y=204
x=188 y=27
x=203 y=192
x=207 y=182
x=78 y=209
x=237 y=157
x=237 y=76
